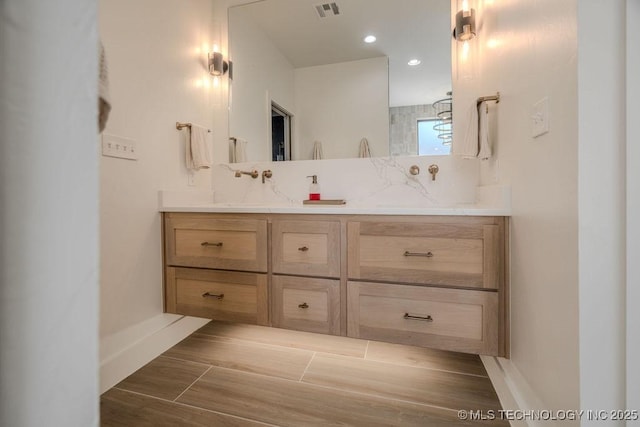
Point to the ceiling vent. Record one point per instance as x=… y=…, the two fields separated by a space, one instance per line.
x=326 y=10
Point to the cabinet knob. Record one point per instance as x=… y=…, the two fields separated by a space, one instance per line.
x=303 y=249
x=303 y=305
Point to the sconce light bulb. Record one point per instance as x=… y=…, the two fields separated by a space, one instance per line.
x=465 y=50
x=465 y=5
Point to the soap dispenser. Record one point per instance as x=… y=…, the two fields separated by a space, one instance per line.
x=314 y=188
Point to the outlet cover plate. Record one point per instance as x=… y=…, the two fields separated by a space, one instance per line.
x=120 y=147
x=540 y=118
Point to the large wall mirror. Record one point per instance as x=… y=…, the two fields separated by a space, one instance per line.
x=306 y=84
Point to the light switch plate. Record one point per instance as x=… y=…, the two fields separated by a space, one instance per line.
x=120 y=147
x=540 y=118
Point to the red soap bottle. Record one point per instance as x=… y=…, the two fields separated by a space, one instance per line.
x=314 y=188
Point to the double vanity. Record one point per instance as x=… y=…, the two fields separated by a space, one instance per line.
x=426 y=277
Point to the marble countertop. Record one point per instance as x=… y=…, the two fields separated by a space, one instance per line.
x=463 y=209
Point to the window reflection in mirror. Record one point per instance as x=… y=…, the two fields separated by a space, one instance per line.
x=429 y=140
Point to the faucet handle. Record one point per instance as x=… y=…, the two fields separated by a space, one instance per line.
x=266 y=174
x=433 y=170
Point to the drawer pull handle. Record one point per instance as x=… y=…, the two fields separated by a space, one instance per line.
x=217 y=244
x=422 y=254
x=208 y=295
x=424 y=319
x=303 y=249
x=303 y=305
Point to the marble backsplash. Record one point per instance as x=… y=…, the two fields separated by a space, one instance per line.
x=374 y=182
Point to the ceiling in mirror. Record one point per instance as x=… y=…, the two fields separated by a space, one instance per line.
x=404 y=30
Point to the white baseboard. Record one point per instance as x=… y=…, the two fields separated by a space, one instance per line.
x=127 y=351
x=513 y=390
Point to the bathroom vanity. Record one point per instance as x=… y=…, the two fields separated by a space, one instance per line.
x=433 y=280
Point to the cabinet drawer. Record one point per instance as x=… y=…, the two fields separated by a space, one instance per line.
x=306 y=304
x=220 y=295
x=452 y=254
x=449 y=319
x=309 y=248
x=214 y=242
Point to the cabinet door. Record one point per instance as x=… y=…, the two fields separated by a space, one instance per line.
x=449 y=319
x=309 y=248
x=211 y=241
x=451 y=254
x=219 y=295
x=306 y=304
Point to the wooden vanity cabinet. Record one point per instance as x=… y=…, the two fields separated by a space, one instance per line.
x=432 y=281
x=216 y=241
x=454 y=253
x=306 y=275
x=216 y=267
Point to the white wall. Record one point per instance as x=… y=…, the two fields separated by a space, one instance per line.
x=568 y=196
x=527 y=51
x=601 y=178
x=48 y=214
x=156 y=51
x=261 y=74
x=338 y=105
x=633 y=205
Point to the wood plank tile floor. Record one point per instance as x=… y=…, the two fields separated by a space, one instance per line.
x=243 y=375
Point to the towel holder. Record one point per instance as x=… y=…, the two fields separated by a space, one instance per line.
x=482 y=99
x=181 y=126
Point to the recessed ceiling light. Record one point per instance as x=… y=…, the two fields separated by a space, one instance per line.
x=414 y=62
x=370 y=39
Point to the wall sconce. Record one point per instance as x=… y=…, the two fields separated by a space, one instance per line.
x=218 y=66
x=465 y=23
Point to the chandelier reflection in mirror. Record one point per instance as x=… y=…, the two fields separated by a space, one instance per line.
x=443 y=125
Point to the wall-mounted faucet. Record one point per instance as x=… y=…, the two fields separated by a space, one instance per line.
x=433 y=170
x=266 y=174
x=253 y=174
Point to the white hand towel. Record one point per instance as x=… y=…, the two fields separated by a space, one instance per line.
x=365 y=151
x=469 y=147
x=240 y=151
x=197 y=148
x=483 y=132
x=317 y=151
x=232 y=150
